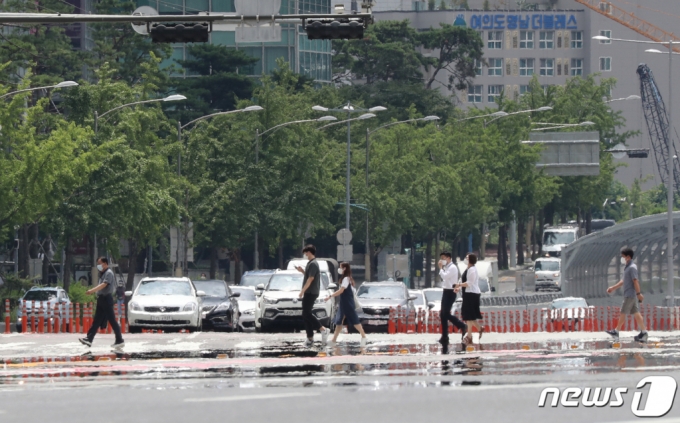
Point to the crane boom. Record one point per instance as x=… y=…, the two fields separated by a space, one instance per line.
x=657 y=120
x=629 y=20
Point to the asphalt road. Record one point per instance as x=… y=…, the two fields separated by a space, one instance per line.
x=210 y=377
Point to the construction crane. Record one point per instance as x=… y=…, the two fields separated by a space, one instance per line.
x=629 y=20
x=656 y=117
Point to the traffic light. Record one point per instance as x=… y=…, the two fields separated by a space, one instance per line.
x=327 y=29
x=179 y=32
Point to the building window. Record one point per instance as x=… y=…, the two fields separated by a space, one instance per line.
x=605 y=64
x=478 y=67
x=523 y=89
x=606 y=33
x=495 y=67
x=494 y=92
x=576 y=39
x=526 y=67
x=475 y=94
x=546 y=40
x=526 y=39
x=576 y=67
x=495 y=40
x=547 y=67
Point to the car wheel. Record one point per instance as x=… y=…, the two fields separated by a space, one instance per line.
x=18 y=328
x=135 y=329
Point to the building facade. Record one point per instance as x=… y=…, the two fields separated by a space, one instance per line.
x=308 y=57
x=554 y=42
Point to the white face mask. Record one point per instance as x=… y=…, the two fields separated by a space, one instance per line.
x=100 y=267
x=442 y=262
x=466 y=262
x=340 y=272
x=623 y=260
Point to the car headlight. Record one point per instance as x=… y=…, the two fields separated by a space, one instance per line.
x=249 y=312
x=319 y=301
x=223 y=306
x=556 y=274
x=134 y=306
x=189 y=307
x=268 y=300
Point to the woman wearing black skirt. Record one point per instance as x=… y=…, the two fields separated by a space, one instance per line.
x=347 y=314
x=471 y=298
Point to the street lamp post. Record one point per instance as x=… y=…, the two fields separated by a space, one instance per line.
x=63 y=84
x=367 y=257
x=669 y=159
x=552 y=125
x=349 y=109
x=175 y=97
x=257 y=159
x=182 y=268
x=630 y=97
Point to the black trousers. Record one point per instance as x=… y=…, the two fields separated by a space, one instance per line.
x=448 y=298
x=104 y=313
x=311 y=322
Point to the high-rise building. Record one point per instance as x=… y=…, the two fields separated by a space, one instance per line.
x=307 y=57
x=552 y=39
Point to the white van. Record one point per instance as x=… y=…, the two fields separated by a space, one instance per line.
x=557 y=237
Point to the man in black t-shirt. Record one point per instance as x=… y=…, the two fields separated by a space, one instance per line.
x=309 y=294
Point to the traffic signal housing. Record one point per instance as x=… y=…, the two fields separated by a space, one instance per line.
x=187 y=32
x=332 y=29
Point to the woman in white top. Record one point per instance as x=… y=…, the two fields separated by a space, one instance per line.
x=471 y=298
x=347 y=314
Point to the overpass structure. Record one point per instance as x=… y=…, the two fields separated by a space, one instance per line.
x=592 y=263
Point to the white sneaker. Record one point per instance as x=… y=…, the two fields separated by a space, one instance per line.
x=331 y=344
x=324 y=335
x=363 y=342
x=309 y=343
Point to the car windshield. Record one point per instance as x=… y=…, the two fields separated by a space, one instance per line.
x=156 y=287
x=377 y=292
x=569 y=304
x=212 y=288
x=40 y=295
x=246 y=294
x=285 y=283
x=419 y=298
x=554 y=238
x=254 y=280
x=547 y=266
x=434 y=296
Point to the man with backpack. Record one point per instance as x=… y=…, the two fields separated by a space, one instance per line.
x=104 y=313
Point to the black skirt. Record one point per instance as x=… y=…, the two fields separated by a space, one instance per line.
x=470 y=309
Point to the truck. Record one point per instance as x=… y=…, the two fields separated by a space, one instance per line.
x=557 y=237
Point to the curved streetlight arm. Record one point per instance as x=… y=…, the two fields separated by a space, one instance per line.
x=129 y=104
x=341 y=121
x=26 y=90
x=211 y=115
x=396 y=123
x=286 y=124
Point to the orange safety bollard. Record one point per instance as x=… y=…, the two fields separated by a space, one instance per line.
x=71 y=318
x=525 y=321
x=33 y=317
x=421 y=321
x=24 y=320
x=87 y=322
x=48 y=319
x=76 y=318
x=56 y=318
x=391 y=328
x=123 y=320
x=400 y=320
x=7 y=319
x=410 y=325
x=41 y=319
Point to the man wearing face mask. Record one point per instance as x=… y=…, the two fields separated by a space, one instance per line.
x=631 y=296
x=104 y=313
x=449 y=274
x=309 y=294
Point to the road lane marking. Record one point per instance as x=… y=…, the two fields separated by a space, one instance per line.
x=253 y=397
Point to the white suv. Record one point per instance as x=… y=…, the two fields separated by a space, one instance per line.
x=279 y=305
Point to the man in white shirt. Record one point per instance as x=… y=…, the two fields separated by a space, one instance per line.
x=448 y=271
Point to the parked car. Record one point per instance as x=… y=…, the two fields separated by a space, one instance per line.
x=376 y=300
x=279 y=305
x=434 y=300
x=328 y=267
x=220 y=309
x=547 y=272
x=47 y=297
x=246 y=304
x=571 y=309
x=485 y=273
x=165 y=303
x=254 y=278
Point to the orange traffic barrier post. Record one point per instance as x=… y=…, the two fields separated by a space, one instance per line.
x=41 y=320
x=48 y=320
x=76 y=317
x=123 y=320
x=33 y=317
x=390 y=322
x=24 y=320
x=56 y=318
x=7 y=319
